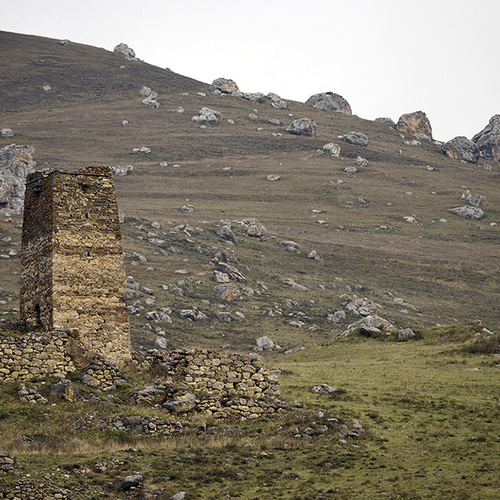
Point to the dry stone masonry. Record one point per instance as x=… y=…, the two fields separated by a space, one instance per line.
x=73 y=277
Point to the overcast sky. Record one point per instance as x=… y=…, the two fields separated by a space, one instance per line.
x=386 y=57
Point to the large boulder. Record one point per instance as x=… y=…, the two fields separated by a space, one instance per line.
x=16 y=162
x=414 y=124
x=468 y=212
x=462 y=148
x=356 y=138
x=225 y=86
x=488 y=140
x=303 y=126
x=125 y=50
x=331 y=101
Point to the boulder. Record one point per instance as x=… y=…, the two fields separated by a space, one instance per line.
x=65 y=389
x=227 y=292
x=254 y=227
x=7 y=132
x=145 y=91
x=303 y=126
x=461 y=148
x=372 y=321
x=406 y=334
x=290 y=245
x=16 y=162
x=415 y=123
x=468 y=212
x=488 y=140
x=356 y=138
x=130 y=482
x=253 y=96
x=119 y=170
x=231 y=271
x=361 y=307
x=181 y=404
x=124 y=50
x=206 y=115
x=330 y=101
x=265 y=343
x=331 y=149
x=226 y=233
x=276 y=101
x=477 y=201
x=224 y=86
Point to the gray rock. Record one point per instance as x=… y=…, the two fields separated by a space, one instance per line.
x=290 y=245
x=265 y=343
x=274 y=121
x=228 y=292
x=7 y=132
x=276 y=101
x=323 y=389
x=415 y=123
x=145 y=91
x=225 y=86
x=181 y=404
x=131 y=482
x=231 y=271
x=488 y=140
x=468 y=212
x=361 y=307
x=118 y=170
x=187 y=208
x=477 y=201
x=330 y=101
x=207 y=115
x=90 y=380
x=361 y=162
x=356 y=138
x=65 y=389
x=254 y=96
x=224 y=316
x=462 y=148
x=350 y=170
x=331 y=149
x=303 y=126
x=273 y=177
x=161 y=343
x=372 y=320
x=406 y=334
x=124 y=50
x=220 y=277
x=180 y=495
x=227 y=234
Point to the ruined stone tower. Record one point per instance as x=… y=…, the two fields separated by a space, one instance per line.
x=73 y=276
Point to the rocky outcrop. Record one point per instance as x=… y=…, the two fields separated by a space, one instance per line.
x=488 y=140
x=16 y=162
x=478 y=201
x=225 y=86
x=356 y=138
x=414 y=124
x=385 y=119
x=303 y=126
x=150 y=100
x=276 y=101
x=368 y=323
x=462 y=148
x=330 y=101
x=124 y=50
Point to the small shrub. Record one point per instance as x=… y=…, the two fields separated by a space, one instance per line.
x=484 y=344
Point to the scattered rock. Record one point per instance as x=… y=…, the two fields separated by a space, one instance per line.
x=290 y=245
x=117 y=170
x=145 y=91
x=220 y=277
x=331 y=101
x=406 y=334
x=303 y=126
x=224 y=86
x=468 y=212
x=415 y=123
x=227 y=292
x=273 y=177
x=65 y=389
x=150 y=100
x=131 y=482
x=192 y=314
x=361 y=162
x=361 y=307
x=180 y=495
x=231 y=271
x=187 y=208
x=293 y=284
x=323 y=389
x=265 y=343
x=331 y=149
x=410 y=219
x=274 y=121
x=477 y=201
x=64 y=42
x=7 y=132
x=206 y=115
x=356 y=138
x=488 y=140
x=350 y=170
x=226 y=233
x=47 y=88
x=276 y=101
x=372 y=320
x=126 y=51
x=313 y=255
x=6 y=462
x=253 y=96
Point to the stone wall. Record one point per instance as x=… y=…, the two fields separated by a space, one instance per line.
x=35 y=355
x=73 y=276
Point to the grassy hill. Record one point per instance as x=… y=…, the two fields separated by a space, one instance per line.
x=445 y=273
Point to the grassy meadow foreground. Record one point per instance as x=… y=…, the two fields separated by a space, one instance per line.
x=429 y=410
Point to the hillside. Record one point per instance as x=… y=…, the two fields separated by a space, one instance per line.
x=441 y=270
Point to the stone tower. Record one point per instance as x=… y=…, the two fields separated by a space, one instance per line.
x=73 y=277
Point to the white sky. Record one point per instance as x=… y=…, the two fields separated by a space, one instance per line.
x=386 y=57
